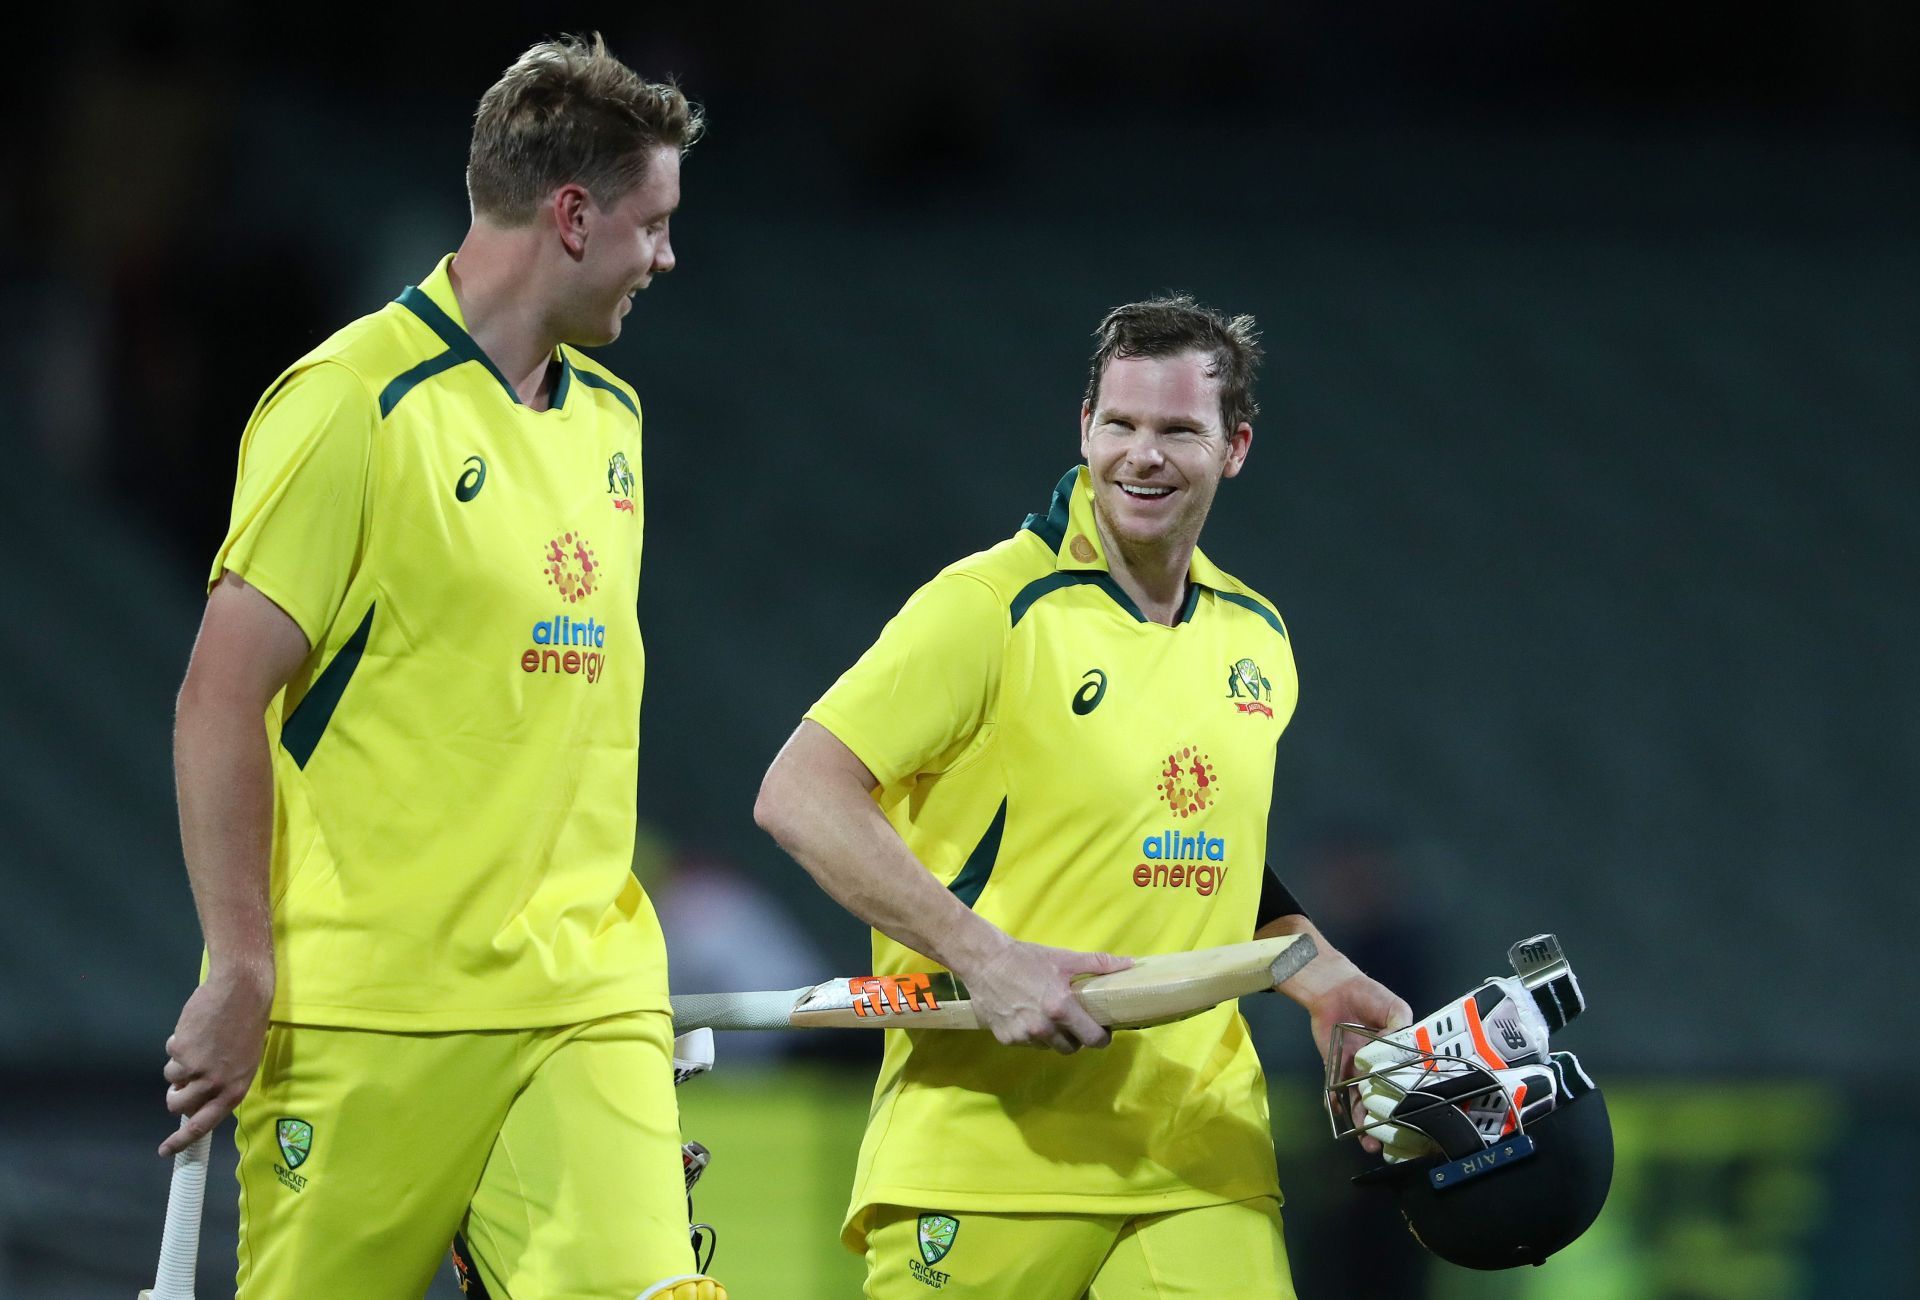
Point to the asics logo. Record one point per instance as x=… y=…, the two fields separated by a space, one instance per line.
x=1088 y=697
x=469 y=484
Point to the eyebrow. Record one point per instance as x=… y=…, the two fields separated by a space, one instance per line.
x=1185 y=420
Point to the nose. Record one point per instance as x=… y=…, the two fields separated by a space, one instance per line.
x=1145 y=452
x=663 y=255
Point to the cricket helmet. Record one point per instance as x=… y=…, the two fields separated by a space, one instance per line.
x=1517 y=1199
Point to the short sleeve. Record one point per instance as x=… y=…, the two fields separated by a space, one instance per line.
x=919 y=695
x=299 y=500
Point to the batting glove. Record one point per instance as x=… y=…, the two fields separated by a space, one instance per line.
x=1460 y=1109
x=1495 y=1027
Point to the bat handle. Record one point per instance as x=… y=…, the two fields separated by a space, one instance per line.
x=180 y=1240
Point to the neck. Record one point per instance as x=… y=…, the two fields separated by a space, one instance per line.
x=494 y=283
x=1154 y=576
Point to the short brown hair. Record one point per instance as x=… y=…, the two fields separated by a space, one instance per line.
x=1172 y=324
x=568 y=112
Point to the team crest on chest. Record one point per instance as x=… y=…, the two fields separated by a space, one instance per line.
x=620 y=482
x=1249 y=689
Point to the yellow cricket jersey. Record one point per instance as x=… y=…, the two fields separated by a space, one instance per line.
x=454 y=766
x=1083 y=777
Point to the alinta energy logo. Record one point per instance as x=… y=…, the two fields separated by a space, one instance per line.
x=1180 y=861
x=1189 y=783
x=564 y=644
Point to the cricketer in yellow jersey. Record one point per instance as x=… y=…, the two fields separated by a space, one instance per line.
x=406 y=753
x=1061 y=749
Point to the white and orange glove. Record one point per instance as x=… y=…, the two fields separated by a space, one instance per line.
x=1467 y=1059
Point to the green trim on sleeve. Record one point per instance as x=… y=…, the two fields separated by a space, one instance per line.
x=974 y=875
x=1248 y=602
x=308 y=721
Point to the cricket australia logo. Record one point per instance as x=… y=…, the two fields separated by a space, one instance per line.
x=620 y=482
x=1189 y=782
x=295 y=1137
x=296 y=1141
x=937 y=1232
x=1244 y=678
x=571 y=567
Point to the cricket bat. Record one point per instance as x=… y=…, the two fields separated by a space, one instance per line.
x=180 y=1239
x=1153 y=991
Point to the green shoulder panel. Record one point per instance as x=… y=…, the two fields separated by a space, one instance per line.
x=1260 y=607
x=591 y=374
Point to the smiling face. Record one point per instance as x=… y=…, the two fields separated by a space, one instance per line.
x=622 y=247
x=1153 y=439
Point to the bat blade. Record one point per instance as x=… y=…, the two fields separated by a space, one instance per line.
x=1173 y=986
x=1153 y=991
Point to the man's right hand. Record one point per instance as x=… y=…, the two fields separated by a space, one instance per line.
x=1024 y=993
x=214 y=1051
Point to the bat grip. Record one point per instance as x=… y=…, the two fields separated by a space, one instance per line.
x=772 y=1009
x=180 y=1240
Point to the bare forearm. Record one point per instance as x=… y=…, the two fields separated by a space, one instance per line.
x=1334 y=991
x=817 y=802
x=247 y=651
x=1329 y=967
x=223 y=776
x=855 y=854
x=830 y=825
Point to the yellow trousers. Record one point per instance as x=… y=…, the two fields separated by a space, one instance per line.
x=555 y=1152
x=1214 y=1252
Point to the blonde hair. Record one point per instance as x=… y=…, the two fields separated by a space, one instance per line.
x=568 y=112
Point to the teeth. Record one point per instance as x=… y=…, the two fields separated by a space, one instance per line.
x=1133 y=491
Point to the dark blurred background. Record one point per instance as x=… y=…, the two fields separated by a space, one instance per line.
x=1583 y=477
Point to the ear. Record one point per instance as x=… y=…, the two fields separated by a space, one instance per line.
x=1086 y=424
x=1238 y=445
x=568 y=208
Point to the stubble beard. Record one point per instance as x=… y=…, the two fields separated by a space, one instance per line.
x=1146 y=553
